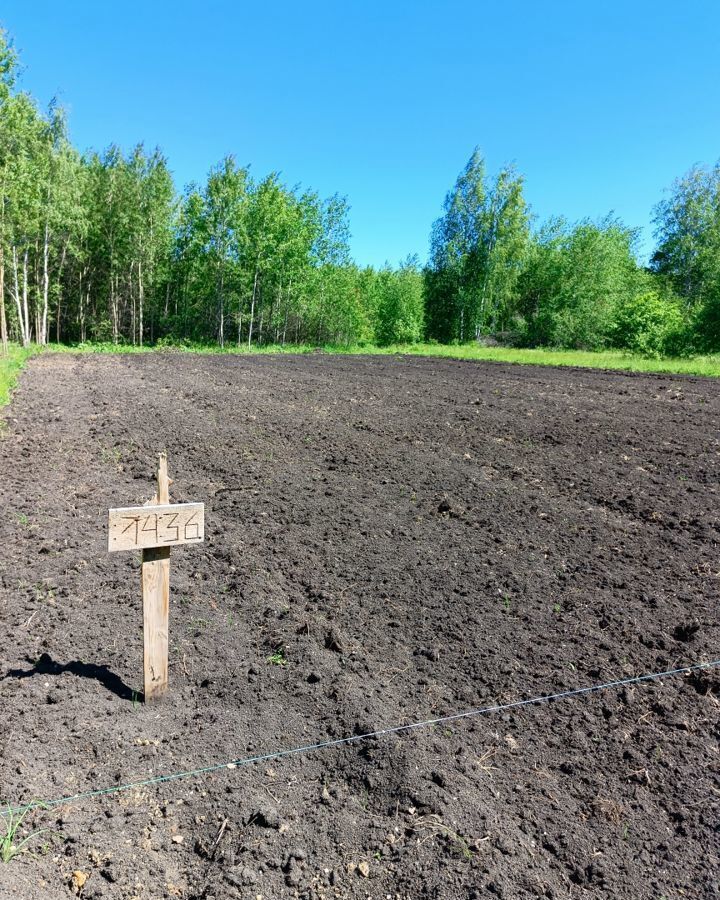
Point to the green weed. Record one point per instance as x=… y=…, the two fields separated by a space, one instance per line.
x=435 y=825
x=198 y=625
x=10 y=845
x=44 y=594
x=277 y=657
x=111 y=455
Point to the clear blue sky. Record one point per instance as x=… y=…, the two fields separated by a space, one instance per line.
x=601 y=105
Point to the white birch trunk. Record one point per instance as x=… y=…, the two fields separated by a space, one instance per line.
x=252 y=309
x=141 y=301
x=42 y=337
x=3 y=318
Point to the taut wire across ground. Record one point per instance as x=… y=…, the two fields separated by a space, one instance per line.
x=339 y=742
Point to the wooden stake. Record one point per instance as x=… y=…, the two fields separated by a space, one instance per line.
x=154 y=529
x=156 y=602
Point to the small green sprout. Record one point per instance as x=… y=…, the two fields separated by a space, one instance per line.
x=10 y=846
x=277 y=657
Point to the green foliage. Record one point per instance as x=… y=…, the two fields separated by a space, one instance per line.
x=648 y=323
x=257 y=262
x=399 y=304
x=8 y=65
x=574 y=280
x=477 y=253
x=704 y=333
x=688 y=254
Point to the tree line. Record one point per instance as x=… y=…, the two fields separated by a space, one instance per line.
x=100 y=247
x=576 y=285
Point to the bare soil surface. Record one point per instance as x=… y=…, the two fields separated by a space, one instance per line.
x=406 y=539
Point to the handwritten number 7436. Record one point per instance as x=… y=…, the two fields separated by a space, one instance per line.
x=164 y=527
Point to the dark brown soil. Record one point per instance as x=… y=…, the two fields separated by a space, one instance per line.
x=419 y=537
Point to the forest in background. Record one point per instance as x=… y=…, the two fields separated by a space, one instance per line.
x=100 y=247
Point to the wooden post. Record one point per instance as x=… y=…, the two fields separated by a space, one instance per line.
x=154 y=528
x=156 y=602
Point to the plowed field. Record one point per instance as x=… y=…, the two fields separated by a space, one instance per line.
x=387 y=540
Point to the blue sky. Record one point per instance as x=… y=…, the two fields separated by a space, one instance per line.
x=601 y=106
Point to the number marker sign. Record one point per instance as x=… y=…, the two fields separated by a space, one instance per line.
x=140 y=527
x=154 y=529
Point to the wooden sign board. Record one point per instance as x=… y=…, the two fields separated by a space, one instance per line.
x=144 y=527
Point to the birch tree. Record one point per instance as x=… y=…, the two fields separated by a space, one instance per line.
x=478 y=247
x=687 y=227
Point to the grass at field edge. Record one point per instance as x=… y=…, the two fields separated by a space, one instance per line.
x=708 y=366
x=10 y=367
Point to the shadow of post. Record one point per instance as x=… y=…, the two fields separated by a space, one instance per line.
x=46 y=665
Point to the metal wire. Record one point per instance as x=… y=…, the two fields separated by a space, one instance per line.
x=339 y=742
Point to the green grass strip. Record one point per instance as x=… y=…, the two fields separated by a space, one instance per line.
x=605 y=359
x=10 y=366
